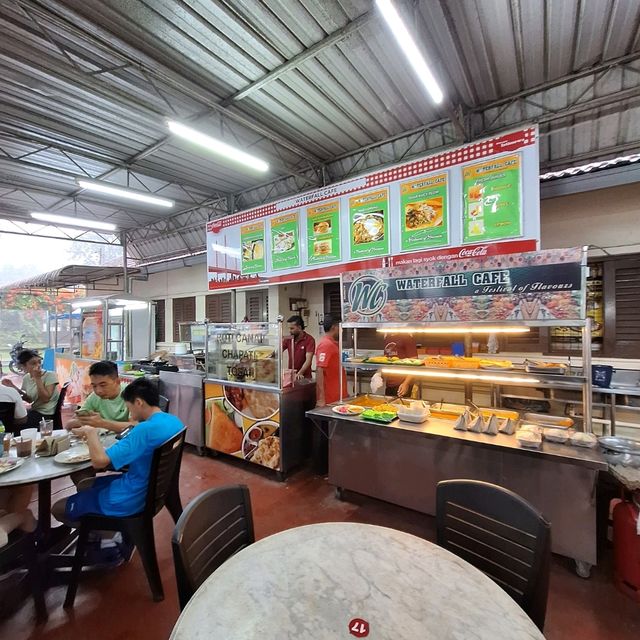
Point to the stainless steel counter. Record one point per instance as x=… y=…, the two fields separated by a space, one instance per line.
x=402 y=463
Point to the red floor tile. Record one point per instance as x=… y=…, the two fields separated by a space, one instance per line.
x=117 y=605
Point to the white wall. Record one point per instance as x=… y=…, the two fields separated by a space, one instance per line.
x=608 y=218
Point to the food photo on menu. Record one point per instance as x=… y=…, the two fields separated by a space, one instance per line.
x=368 y=227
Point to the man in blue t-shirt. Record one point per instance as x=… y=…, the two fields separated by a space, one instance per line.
x=124 y=494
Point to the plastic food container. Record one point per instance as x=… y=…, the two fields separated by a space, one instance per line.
x=580 y=439
x=528 y=439
x=556 y=435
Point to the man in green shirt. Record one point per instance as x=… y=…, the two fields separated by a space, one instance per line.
x=104 y=408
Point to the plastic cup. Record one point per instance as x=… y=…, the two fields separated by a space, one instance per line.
x=6 y=443
x=46 y=428
x=30 y=434
x=24 y=447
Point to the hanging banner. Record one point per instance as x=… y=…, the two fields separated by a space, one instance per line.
x=369 y=223
x=491 y=192
x=424 y=218
x=252 y=247
x=323 y=233
x=92 y=335
x=541 y=285
x=285 y=243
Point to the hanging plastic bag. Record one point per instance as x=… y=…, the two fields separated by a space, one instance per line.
x=377 y=383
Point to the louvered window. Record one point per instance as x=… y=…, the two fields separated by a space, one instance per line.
x=218 y=308
x=184 y=310
x=622 y=307
x=160 y=320
x=257 y=306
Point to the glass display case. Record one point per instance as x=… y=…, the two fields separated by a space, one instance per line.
x=251 y=413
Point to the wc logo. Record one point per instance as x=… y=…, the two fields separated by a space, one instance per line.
x=367 y=295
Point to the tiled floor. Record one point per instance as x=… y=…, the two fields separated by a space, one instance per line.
x=117 y=605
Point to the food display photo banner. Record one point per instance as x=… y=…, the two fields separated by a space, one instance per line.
x=369 y=217
x=492 y=207
x=285 y=241
x=483 y=192
x=252 y=247
x=537 y=286
x=323 y=233
x=423 y=212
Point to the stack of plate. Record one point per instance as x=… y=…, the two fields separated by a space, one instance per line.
x=624 y=451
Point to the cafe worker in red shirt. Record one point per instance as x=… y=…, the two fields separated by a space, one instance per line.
x=328 y=365
x=401 y=345
x=302 y=345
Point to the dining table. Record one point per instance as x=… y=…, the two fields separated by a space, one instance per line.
x=41 y=470
x=349 y=580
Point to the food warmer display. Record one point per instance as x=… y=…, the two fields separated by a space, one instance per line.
x=551 y=461
x=253 y=411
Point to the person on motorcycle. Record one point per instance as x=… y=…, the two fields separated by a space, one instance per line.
x=39 y=387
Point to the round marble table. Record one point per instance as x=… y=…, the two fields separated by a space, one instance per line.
x=314 y=581
x=42 y=471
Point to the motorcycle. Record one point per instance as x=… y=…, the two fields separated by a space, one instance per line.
x=15 y=350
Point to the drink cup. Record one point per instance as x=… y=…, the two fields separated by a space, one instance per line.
x=24 y=447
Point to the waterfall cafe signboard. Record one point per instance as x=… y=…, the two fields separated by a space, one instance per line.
x=534 y=286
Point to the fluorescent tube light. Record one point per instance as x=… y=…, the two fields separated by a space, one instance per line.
x=123 y=192
x=73 y=222
x=456 y=330
x=410 y=49
x=81 y=304
x=217 y=146
x=415 y=371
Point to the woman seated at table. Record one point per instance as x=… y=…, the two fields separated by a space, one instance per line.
x=14 y=511
x=39 y=387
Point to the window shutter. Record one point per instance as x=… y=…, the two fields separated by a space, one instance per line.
x=257 y=306
x=624 y=309
x=160 y=320
x=184 y=310
x=218 y=307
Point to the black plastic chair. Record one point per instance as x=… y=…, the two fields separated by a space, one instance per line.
x=21 y=548
x=57 y=414
x=139 y=527
x=501 y=534
x=214 y=526
x=7 y=415
x=164 y=404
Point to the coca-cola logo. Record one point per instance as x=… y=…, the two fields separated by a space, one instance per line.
x=474 y=252
x=215 y=226
x=367 y=295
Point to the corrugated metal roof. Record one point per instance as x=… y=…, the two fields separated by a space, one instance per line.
x=316 y=87
x=66 y=277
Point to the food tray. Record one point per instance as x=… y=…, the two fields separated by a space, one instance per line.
x=416 y=418
x=545 y=420
x=376 y=416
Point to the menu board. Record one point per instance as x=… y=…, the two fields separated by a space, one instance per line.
x=424 y=220
x=252 y=242
x=285 y=244
x=369 y=223
x=491 y=195
x=323 y=233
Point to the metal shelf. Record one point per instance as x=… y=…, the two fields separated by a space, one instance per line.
x=541 y=379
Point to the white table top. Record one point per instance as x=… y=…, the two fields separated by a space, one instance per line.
x=36 y=469
x=311 y=582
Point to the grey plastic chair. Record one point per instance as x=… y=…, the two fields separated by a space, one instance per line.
x=213 y=527
x=501 y=534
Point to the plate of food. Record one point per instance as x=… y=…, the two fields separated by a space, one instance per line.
x=410 y=362
x=9 y=464
x=283 y=242
x=75 y=455
x=250 y=441
x=322 y=227
x=368 y=227
x=348 y=409
x=423 y=214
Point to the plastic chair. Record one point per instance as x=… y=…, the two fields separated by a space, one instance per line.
x=7 y=415
x=138 y=527
x=501 y=534
x=164 y=404
x=22 y=545
x=57 y=414
x=214 y=526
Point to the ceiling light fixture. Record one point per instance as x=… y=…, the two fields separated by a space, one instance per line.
x=410 y=49
x=450 y=330
x=217 y=146
x=73 y=222
x=460 y=376
x=123 y=192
